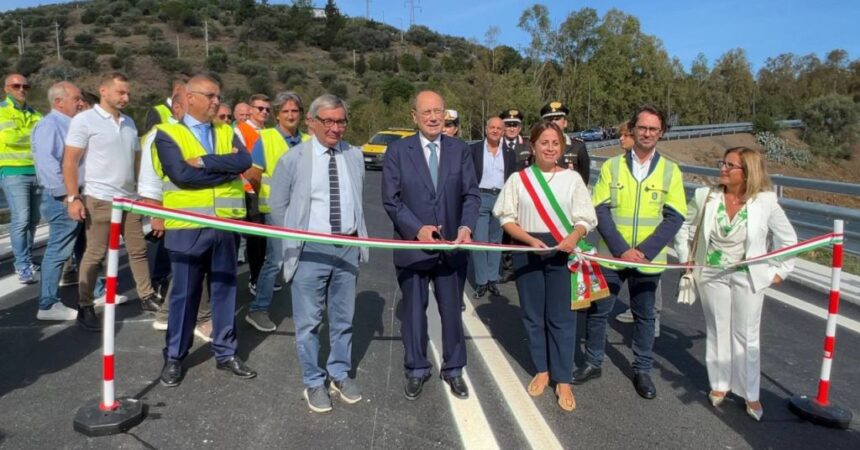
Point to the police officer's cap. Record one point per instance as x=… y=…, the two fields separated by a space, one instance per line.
x=511 y=115
x=452 y=116
x=553 y=109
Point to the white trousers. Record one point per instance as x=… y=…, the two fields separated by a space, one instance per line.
x=733 y=321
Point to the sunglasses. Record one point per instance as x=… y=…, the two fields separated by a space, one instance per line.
x=19 y=86
x=225 y=117
x=263 y=108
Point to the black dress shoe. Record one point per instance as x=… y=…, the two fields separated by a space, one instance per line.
x=237 y=367
x=458 y=386
x=150 y=303
x=585 y=373
x=414 y=385
x=88 y=320
x=481 y=291
x=644 y=386
x=171 y=373
x=494 y=290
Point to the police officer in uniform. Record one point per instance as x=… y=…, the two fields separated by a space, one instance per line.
x=512 y=139
x=575 y=155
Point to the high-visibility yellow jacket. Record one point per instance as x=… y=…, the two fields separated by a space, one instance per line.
x=16 y=125
x=164 y=112
x=274 y=146
x=638 y=207
x=226 y=200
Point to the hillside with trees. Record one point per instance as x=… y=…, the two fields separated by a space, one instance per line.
x=602 y=66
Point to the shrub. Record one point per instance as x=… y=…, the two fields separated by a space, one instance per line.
x=776 y=150
x=339 y=89
x=139 y=29
x=764 y=123
x=171 y=64
x=61 y=72
x=832 y=125
x=89 y=16
x=39 y=35
x=104 y=20
x=217 y=60
x=104 y=48
x=327 y=78
x=396 y=87
x=28 y=64
x=291 y=75
x=120 y=30
x=260 y=83
x=251 y=68
x=155 y=33
x=85 y=59
x=85 y=39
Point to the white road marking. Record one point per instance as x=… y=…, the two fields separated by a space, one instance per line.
x=472 y=424
x=530 y=420
x=817 y=311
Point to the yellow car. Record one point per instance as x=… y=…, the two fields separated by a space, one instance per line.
x=374 y=150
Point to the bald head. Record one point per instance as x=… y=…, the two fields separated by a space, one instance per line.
x=203 y=95
x=428 y=113
x=16 y=85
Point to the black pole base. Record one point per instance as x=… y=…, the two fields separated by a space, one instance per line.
x=827 y=415
x=92 y=421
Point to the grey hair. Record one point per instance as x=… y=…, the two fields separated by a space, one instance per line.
x=286 y=96
x=327 y=101
x=58 y=91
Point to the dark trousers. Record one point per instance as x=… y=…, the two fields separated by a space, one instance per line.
x=255 y=246
x=196 y=254
x=543 y=285
x=641 y=287
x=447 y=287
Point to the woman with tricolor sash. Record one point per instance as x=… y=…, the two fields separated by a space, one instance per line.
x=547 y=206
x=740 y=219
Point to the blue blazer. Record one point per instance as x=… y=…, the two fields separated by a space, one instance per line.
x=411 y=202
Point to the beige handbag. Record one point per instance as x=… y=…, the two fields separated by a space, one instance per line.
x=687 y=290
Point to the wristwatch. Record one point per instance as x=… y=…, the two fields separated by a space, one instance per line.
x=72 y=198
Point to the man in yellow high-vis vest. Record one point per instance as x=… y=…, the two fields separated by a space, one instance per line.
x=272 y=145
x=200 y=164
x=640 y=204
x=18 y=174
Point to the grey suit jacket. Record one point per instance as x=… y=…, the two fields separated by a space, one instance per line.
x=290 y=197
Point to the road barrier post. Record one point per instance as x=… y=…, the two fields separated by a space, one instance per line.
x=819 y=410
x=108 y=414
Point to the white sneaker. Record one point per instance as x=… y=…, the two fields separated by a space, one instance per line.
x=57 y=311
x=625 y=317
x=119 y=300
x=160 y=324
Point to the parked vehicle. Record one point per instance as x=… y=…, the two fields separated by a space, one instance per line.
x=374 y=149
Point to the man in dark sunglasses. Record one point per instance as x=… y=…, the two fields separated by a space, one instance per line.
x=224 y=114
x=249 y=133
x=18 y=174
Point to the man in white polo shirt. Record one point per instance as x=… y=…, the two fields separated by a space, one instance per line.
x=108 y=139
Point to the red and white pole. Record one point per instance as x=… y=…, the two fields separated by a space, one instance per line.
x=109 y=402
x=819 y=410
x=109 y=415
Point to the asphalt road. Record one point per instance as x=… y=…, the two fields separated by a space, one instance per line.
x=49 y=371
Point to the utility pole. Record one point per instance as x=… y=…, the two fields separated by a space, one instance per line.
x=669 y=102
x=412 y=7
x=57 y=35
x=367 y=10
x=21 y=39
x=206 y=35
x=354 y=73
x=177 y=47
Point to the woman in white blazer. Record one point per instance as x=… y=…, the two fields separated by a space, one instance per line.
x=741 y=218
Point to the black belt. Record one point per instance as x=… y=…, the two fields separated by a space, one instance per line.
x=494 y=191
x=353 y=234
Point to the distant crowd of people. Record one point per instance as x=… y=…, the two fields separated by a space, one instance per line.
x=198 y=155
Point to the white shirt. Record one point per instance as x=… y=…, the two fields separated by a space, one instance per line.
x=640 y=169
x=514 y=204
x=424 y=142
x=320 y=200
x=109 y=152
x=149 y=184
x=493 y=172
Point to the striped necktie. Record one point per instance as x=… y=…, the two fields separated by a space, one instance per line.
x=333 y=194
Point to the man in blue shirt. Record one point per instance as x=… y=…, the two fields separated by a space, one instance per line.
x=48 y=141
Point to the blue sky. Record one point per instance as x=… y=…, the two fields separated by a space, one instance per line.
x=762 y=27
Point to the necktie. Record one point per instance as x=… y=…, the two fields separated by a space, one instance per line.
x=333 y=194
x=433 y=163
x=203 y=135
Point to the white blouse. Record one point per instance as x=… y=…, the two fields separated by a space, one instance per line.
x=514 y=204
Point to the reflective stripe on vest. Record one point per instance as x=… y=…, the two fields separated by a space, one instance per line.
x=226 y=200
x=16 y=126
x=274 y=147
x=637 y=206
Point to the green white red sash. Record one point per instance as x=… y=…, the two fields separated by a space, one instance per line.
x=587 y=283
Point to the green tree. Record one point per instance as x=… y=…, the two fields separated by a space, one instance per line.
x=832 y=125
x=396 y=88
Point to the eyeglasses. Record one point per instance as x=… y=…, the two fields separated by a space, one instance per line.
x=728 y=166
x=329 y=123
x=652 y=130
x=427 y=113
x=211 y=96
x=263 y=108
x=19 y=86
x=225 y=117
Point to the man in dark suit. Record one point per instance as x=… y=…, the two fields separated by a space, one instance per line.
x=430 y=193
x=575 y=154
x=493 y=165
